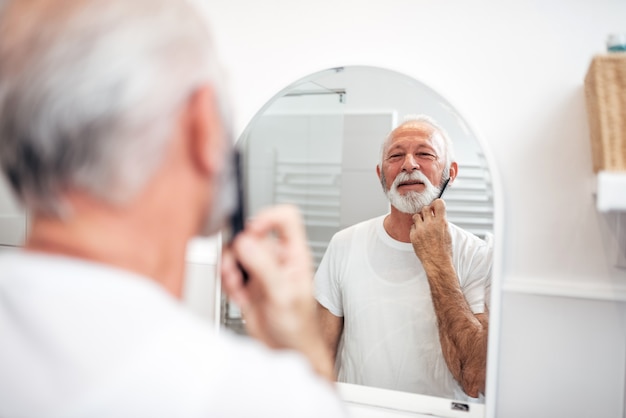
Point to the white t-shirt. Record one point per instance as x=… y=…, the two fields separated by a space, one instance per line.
x=378 y=285
x=81 y=339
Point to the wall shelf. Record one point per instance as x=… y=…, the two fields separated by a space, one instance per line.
x=605 y=97
x=605 y=94
x=611 y=191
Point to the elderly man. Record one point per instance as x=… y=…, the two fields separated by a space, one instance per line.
x=402 y=296
x=112 y=137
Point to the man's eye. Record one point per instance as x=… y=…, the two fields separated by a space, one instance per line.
x=394 y=156
x=426 y=155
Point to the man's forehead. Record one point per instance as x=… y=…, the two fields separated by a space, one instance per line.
x=413 y=129
x=417 y=131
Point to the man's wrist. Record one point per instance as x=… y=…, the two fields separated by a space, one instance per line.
x=438 y=264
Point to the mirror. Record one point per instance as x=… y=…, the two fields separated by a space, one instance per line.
x=316 y=144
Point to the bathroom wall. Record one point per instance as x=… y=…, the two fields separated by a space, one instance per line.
x=13 y=219
x=515 y=69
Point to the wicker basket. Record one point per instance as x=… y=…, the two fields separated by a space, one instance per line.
x=605 y=92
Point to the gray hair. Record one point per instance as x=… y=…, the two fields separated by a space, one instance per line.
x=447 y=142
x=89 y=92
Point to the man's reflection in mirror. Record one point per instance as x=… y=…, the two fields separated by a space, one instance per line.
x=402 y=297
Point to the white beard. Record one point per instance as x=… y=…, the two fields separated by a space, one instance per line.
x=224 y=199
x=413 y=201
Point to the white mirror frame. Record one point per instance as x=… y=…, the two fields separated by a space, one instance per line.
x=361 y=398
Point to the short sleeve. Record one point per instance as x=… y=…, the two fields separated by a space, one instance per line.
x=328 y=278
x=474 y=266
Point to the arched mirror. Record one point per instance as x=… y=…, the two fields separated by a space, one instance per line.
x=316 y=144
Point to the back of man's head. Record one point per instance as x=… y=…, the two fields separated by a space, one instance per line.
x=89 y=91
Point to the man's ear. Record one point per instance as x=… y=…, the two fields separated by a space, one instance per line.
x=378 y=171
x=454 y=170
x=204 y=131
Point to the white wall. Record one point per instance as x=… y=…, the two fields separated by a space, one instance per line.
x=515 y=69
x=12 y=218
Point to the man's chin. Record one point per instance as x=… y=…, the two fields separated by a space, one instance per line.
x=411 y=202
x=211 y=227
x=404 y=190
x=218 y=217
x=224 y=203
x=409 y=211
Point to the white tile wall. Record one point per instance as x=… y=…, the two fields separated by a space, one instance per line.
x=200 y=292
x=12 y=218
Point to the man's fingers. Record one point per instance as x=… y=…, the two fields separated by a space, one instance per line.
x=283 y=220
x=434 y=210
x=258 y=256
x=438 y=206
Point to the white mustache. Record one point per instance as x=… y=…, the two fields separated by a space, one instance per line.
x=404 y=177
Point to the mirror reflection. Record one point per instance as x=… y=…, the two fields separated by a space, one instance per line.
x=403 y=299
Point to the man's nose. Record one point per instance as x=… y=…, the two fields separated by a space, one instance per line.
x=410 y=163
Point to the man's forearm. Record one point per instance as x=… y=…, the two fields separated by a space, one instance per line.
x=462 y=333
x=331 y=328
